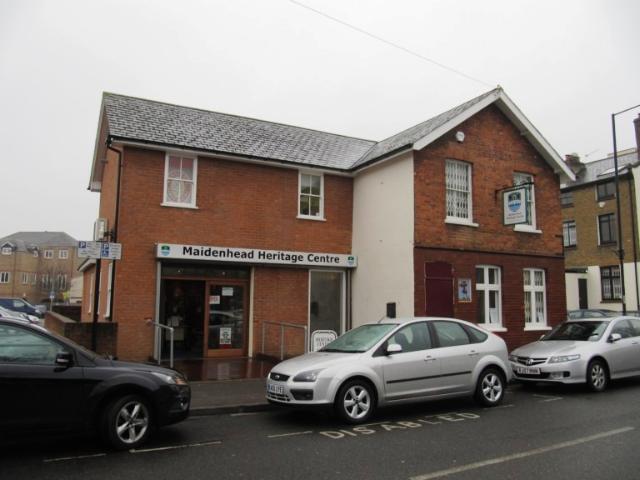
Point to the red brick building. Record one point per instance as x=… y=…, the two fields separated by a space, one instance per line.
x=250 y=237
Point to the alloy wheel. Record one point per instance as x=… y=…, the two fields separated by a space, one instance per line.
x=132 y=422
x=598 y=376
x=357 y=402
x=492 y=387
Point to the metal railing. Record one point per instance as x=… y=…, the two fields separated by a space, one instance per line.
x=159 y=327
x=282 y=327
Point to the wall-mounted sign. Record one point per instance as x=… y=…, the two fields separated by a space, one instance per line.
x=255 y=256
x=227 y=291
x=321 y=338
x=515 y=205
x=110 y=251
x=464 y=290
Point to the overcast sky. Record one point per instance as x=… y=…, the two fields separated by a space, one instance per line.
x=567 y=64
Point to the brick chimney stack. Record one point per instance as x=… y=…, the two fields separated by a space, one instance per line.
x=573 y=162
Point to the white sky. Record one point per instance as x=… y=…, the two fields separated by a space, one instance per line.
x=567 y=64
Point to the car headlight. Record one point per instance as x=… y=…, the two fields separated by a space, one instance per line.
x=564 y=358
x=513 y=358
x=310 y=376
x=171 y=379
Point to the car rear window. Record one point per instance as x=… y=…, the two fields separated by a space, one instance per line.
x=476 y=335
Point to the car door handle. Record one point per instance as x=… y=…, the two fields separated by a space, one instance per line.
x=473 y=353
x=429 y=359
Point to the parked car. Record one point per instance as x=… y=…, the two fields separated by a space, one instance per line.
x=392 y=362
x=6 y=313
x=591 y=313
x=51 y=384
x=21 y=305
x=591 y=351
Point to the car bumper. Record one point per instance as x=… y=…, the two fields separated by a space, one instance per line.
x=566 y=372
x=175 y=404
x=302 y=394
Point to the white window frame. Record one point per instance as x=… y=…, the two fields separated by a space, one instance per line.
x=167 y=203
x=320 y=215
x=5 y=277
x=25 y=278
x=48 y=254
x=7 y=250
x=35 y=253
x=63 y=254
x=566 y=234
x=484 y=289
x=527 y=227
x=34 y=279
x=468 y=221
x=534 y=323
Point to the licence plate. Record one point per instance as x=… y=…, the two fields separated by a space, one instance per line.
x=277 y=389
x=528 y=370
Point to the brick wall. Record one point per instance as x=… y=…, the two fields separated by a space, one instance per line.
x=495 y=149
x=81 y=333
x=511 y=267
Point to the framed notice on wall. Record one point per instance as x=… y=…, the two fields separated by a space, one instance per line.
x=464 y=290
x=515 y=205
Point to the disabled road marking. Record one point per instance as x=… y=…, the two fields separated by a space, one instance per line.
x=176 y=447
x=293 y=434
x=78 y=457
x=517 y=456
x=548 y=398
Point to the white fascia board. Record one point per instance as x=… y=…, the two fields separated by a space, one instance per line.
x=95 y=178
x=506 y=105
x=455 y=121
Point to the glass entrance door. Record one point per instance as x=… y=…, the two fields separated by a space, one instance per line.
x=226 y=320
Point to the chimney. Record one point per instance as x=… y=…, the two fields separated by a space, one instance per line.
x=573 y=162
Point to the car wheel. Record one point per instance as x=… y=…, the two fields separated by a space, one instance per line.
x=490 y=387
x=355 y=402
x=597 y=376
x=126 y=422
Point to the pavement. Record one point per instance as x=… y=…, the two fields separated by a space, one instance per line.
x=229 y=396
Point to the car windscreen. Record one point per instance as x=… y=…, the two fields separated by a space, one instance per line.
x=360 y=339
x=577 y=331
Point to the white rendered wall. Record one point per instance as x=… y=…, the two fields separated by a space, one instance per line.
x=571 y=285
x=383 y=240
x=594 y=289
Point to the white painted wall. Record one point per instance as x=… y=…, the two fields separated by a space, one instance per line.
x=594 y=288
x=383 y=233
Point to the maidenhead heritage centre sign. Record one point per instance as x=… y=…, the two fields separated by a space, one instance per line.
x=254 y=256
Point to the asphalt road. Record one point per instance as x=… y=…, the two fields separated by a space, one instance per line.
x=550 y=433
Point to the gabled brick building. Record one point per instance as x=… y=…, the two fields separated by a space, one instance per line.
x=249 y=237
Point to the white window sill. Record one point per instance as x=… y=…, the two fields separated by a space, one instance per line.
x=460 y=221
x=526 y=229
x=536 y=328
x=308 y=217
x=178 y=205
x=492 y=328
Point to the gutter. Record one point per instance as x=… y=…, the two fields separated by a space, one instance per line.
x=113 y=237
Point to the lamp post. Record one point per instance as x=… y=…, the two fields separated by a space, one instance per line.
x=618 y=219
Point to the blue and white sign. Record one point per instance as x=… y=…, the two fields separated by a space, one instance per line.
x=109 y=251
x=515 y=205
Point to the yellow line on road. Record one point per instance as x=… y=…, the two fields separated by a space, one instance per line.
x=517 y=456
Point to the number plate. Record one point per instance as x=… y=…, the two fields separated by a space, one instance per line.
x=277 y=389
x=528 y=370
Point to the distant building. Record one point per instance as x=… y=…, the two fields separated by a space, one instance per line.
x=34 y=264
x=590 y=234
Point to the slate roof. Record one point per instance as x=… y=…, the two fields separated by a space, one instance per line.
x=594 y=171
x=25 y=241
x=166 y=124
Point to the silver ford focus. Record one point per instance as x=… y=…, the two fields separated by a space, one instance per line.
x=591 y=351
x=395 y=361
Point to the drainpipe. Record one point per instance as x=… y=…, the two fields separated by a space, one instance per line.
x=114 y=231
x=634 y=234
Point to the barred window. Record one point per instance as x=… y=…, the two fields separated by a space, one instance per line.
x=610 y=283
x=458 y=186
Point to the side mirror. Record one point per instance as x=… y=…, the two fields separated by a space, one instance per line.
x=393 y=348
x=614 y=337
x=64 y=359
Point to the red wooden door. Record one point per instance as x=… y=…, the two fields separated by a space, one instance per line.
x=438 y=285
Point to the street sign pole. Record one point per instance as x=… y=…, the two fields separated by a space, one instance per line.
x=96 y=300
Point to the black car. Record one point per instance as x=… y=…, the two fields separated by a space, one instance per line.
x=48 y=384
x=21 y=305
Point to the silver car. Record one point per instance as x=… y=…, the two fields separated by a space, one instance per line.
x=395 y=361
x=591 y=351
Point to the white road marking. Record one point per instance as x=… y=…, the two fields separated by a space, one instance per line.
x=517 y=456
x=79 y=457
x=510 y=405
x=548 y=398
x=294 y=434
x=175 y=447
x=245 y=414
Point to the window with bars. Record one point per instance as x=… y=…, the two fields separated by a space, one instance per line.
x=488 y=287
x=535 y=297
x=607 y=228
x=458 y=191
x=522 y=179
x=180 y=181
x=569 y=238
x=610 y=283
x=310 y=196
